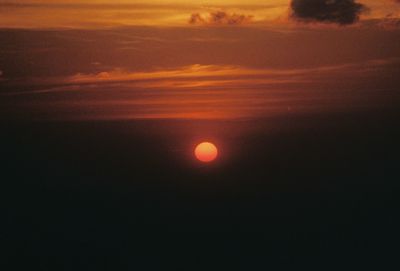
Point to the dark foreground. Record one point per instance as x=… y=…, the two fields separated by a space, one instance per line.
x=287 y=192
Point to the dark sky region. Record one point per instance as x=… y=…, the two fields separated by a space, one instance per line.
x=341 y=12
x=103 y=103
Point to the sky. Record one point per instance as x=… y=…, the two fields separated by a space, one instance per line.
x=97 y=14
x=202 y=59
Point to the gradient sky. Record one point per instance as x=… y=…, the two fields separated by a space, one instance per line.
x=203 y=59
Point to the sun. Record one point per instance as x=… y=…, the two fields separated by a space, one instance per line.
x=206 y=152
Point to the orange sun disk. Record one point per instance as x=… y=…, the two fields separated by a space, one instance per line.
x=206 y=152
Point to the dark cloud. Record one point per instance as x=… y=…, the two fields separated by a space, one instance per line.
x=220 y=18
x=342 y=12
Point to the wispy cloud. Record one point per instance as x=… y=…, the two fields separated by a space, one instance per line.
x=212 y=73
x=204 y=76
x=203 y=91
x=194 y=71
x=220 y=18
x=390 y=22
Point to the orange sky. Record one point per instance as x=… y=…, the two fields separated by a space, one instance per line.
x=152 y=63
x=97 y=14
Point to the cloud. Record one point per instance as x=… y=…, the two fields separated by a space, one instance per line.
x=183 y=76
x=342 y=12
x=211 y=74
x=207 y=92
x=198 y=75
x=390 y=22
x=220 y=18
x=196 y=72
